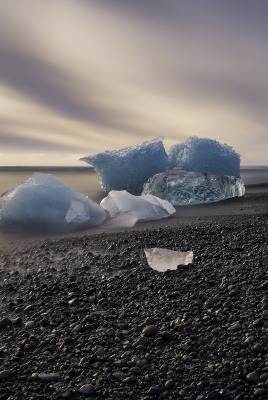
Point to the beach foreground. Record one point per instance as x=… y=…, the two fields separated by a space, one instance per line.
x=88 y=310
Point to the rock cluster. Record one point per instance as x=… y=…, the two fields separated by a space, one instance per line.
x=86 y=316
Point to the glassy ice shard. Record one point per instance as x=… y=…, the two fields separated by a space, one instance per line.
x=162 y=260
x=181 y=187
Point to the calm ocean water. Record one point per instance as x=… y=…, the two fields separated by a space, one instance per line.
x=254 y=175
x=82 y=180
x=85 y=180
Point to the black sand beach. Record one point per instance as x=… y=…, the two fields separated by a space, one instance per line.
x=85 y=315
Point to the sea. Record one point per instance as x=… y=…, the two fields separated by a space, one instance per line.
x=79 y=179
x=85 y=180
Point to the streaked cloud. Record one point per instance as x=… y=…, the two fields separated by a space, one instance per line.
x=83 y=76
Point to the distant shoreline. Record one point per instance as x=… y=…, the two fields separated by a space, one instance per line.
x=45 y=168
x=88 y=167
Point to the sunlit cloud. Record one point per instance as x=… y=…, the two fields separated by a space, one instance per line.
x=78 y=77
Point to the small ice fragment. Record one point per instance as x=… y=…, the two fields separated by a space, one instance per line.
x=76 y=212
x=162 y=260
x=122 y=220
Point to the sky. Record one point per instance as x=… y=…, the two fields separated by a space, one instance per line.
x=79 y=77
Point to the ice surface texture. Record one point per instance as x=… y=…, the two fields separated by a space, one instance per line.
x=205 y=155
x=129 y=168
x=182 y=187
x=145 y=207
x=162 y=260
x=45 y=202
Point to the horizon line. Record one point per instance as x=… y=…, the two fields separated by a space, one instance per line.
x=54 y=167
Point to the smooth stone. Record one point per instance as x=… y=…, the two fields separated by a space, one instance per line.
x=44 y=322
x=119 y=375
x=5 y=322
x=216 y=331
x=5 y=374
x=99 y=353
x=110 y=332
x=167 y=335
x=49 y=377
x=142 y=363
x=150 y=330
x=129 y=380
x=212 y=395
x=258 y=322
x=135 y=370
x=98 y=313
x=260 y=392
x=169 y=384
x=264 y=377
x=236 y=326
x=154 y=391
x=258 y=348
x=73 y=302
x=252 y=376
x=17 y=321
x=121 y=363
x=164 y=368
x=142 y=341
x=28 y=308
x=209 y=368
x=29 y=324
x=88 y=389
x=68 y=394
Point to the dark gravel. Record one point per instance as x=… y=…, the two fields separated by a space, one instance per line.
x=86 y=317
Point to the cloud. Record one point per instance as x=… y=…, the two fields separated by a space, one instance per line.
x=50 y=87
x=9 y=141
x=107 y=74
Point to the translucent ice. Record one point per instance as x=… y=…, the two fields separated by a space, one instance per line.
x=45 y=202
x=205 y=155
x=122 y=220
x=145 y=207
x=162 y=260
x=182 y=187
x=129 y=168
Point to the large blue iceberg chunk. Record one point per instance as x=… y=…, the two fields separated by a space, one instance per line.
x=129 y=168
x=205 y=155
x=181 y=187
x=45 y=202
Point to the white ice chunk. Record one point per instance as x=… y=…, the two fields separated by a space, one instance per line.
x=77 y=212
x=129 y=168
x=205 y=155
x=181 y=187
x=145 y=207
x=45 y=202
x=122 y=220
x=162 y=260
